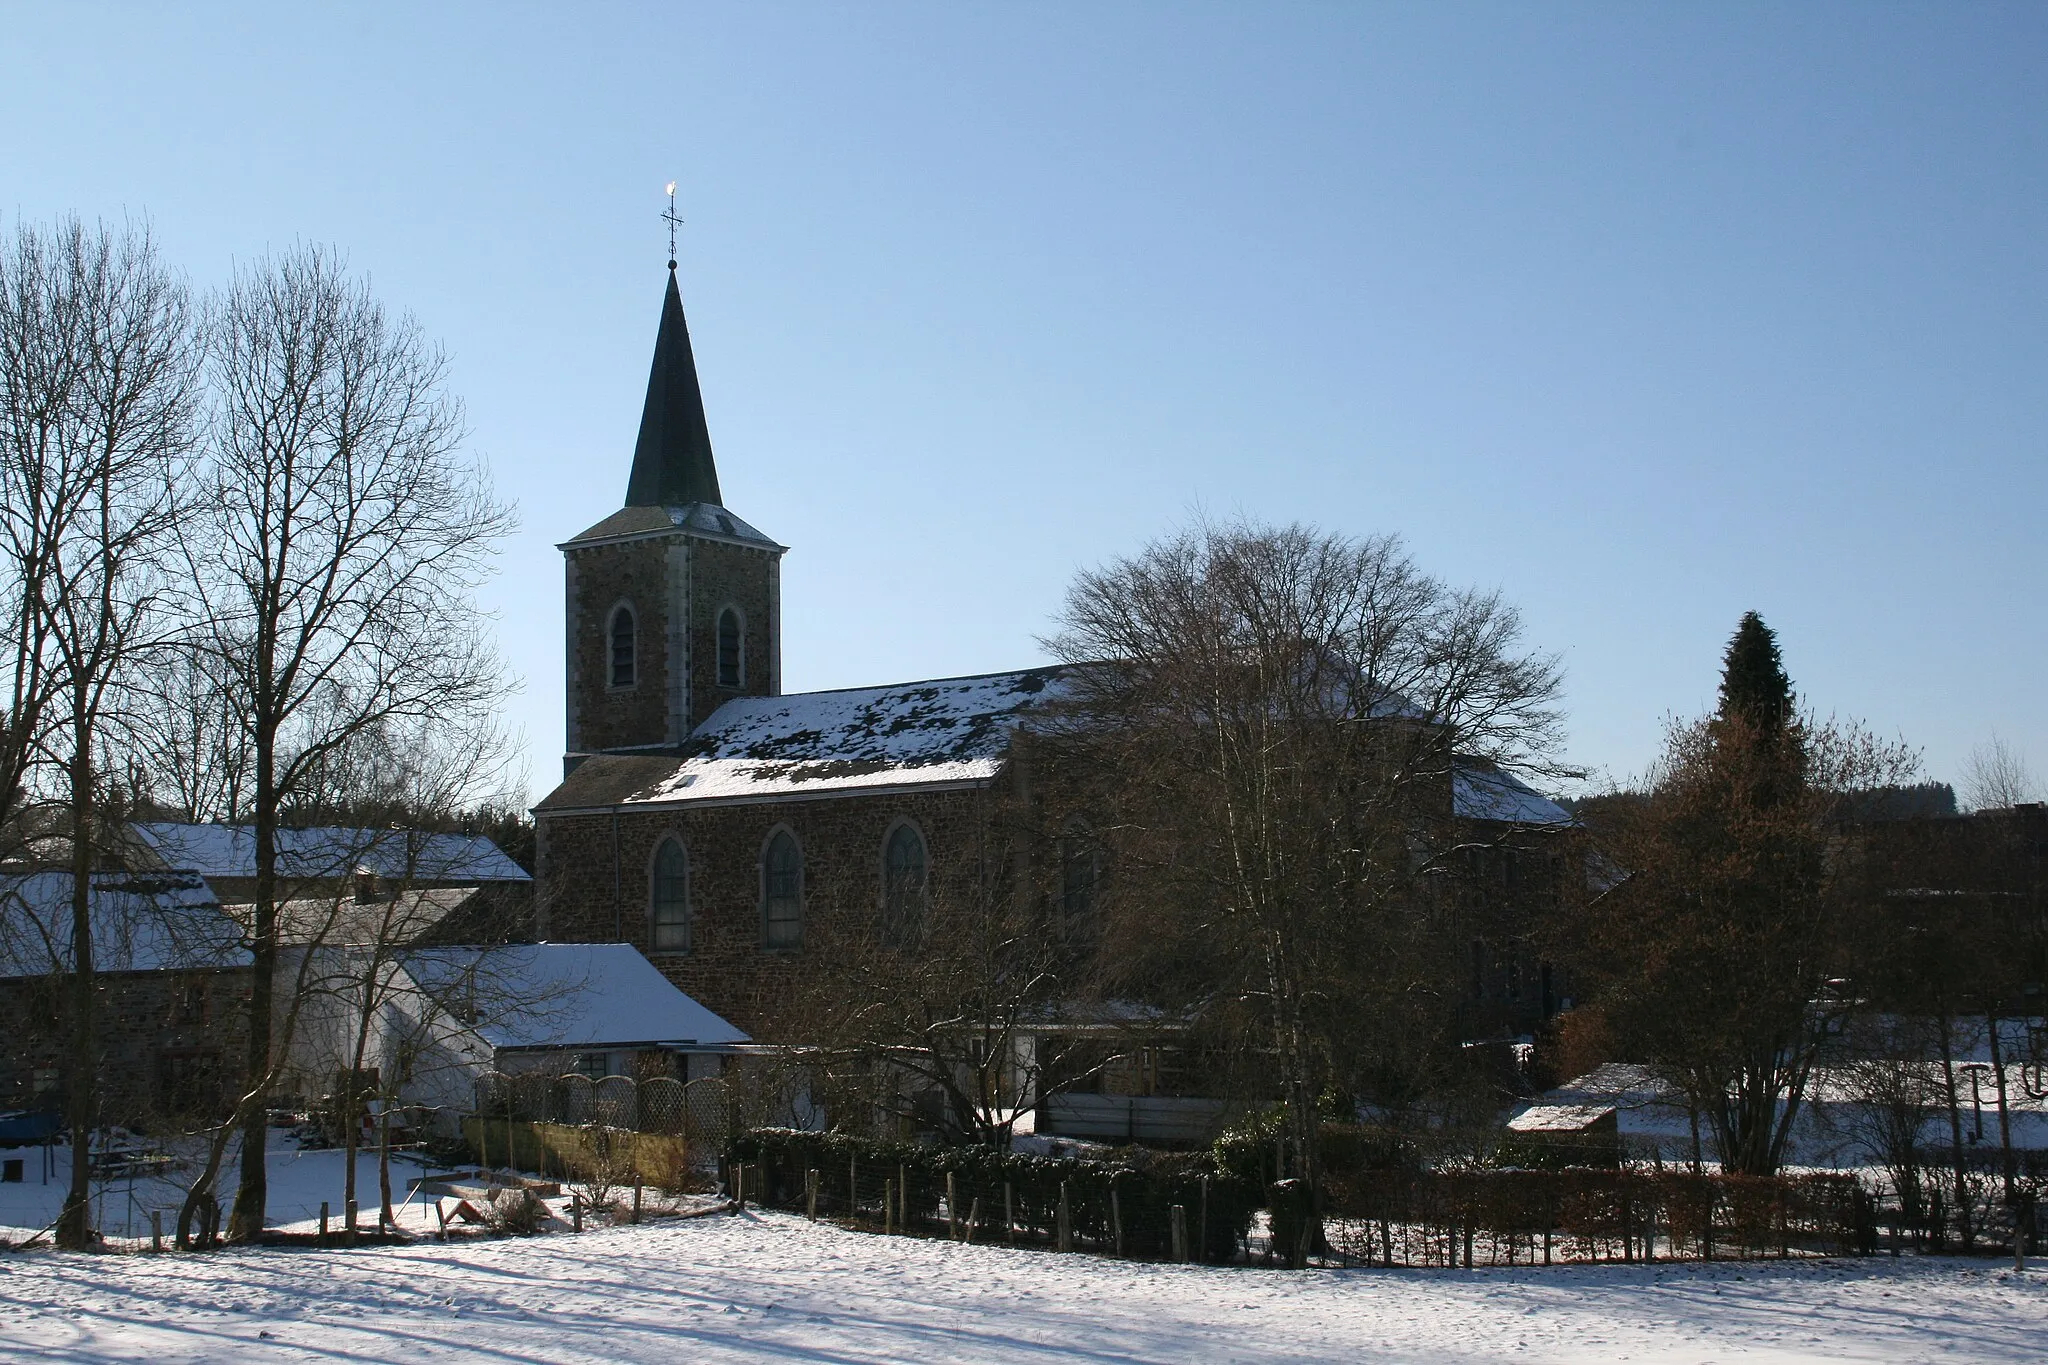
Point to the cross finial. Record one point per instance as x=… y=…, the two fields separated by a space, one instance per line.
x=672 y=221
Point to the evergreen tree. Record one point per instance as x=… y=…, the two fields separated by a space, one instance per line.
x=1754 y=688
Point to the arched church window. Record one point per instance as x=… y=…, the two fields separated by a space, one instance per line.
x=669 y=897
x=731 y=672
x=1080 y=874
x=782 y=892
x=903 y=886
x=622 y=646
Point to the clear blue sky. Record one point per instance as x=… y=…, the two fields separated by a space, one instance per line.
x=1647 y=314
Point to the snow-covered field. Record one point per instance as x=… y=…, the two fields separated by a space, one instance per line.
x=774 y=1287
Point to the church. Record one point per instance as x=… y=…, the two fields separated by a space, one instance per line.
x=730 y=830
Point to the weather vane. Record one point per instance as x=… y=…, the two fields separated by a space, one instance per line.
x=672 y=221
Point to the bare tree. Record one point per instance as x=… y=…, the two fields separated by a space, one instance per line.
x=97 y=387
x=1996 y=777
x=342 y=539
x=1273 y=715
x=931 y=1022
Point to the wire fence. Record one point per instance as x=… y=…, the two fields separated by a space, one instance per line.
x=1474 y=1218
x=706 y=1109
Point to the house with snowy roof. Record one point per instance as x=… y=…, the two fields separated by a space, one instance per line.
x=733 y=832
x=172 y=975
x=338 y=884
x=423 y=1026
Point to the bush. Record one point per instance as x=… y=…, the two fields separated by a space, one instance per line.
x=514 y=1211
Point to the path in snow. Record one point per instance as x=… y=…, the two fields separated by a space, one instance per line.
x=773 y=1287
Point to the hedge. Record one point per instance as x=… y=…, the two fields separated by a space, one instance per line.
x=1018 y=1196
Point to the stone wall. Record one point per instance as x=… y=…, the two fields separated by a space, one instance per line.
x=599 y=578
x=735 y=575
x=171 y=1044
x=727 y=969
x=676 y=586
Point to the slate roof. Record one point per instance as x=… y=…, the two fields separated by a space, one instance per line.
x=332 y=851
x=942 y=731
x=405 y=917
x=140 y=922
x=672 y=462
x=569 y=995
x=698 y=518
x=1481 y=791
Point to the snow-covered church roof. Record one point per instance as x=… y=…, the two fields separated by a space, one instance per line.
x=943 y=732
x=1482 y=791
x=938 y=733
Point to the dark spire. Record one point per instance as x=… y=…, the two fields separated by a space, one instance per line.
x=672 y=462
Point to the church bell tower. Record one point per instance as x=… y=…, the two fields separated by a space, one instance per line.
x=673 y=605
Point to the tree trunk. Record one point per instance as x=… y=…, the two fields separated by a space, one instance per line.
x=82 y=1089
x=385 y=1216
x=2005 y=1151
x=1955 y=1130
x=253 y=1193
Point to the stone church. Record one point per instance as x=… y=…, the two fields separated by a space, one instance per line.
x=726 y=828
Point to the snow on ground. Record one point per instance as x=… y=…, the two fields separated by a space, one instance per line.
x=299 y=1182
x=774 y=1287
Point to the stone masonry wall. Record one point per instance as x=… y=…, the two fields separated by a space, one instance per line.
x=600 y=577
x=727 y=969
x=721 y=575
x=675 y=682
x=195 y=1019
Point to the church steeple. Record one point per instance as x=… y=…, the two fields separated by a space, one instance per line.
x=672 y=464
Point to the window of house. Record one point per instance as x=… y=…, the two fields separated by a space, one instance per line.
x=903 y=886
x=622 y=646
x=730 y=672
x=670 y=898
x=782 y=892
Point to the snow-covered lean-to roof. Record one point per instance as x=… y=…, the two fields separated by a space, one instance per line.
x=566 y=995
x=942 y=732
x=141 y=922
x=396 y=854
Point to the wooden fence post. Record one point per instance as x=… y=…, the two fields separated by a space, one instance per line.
x=1064 y=1234
x=575 y=1212
x=888 y=1207
x=323 y=1222
x=952 y=1208
x=156 y=1233
x=636 y=1197
x=973 y=1218
x=1202 y=1225
x=1116 y=1219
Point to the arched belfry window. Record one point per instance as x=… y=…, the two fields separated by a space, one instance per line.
x=904 y=877
x=782 y=892
x=622 y=646
x=732 y=662
x=668 y=898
